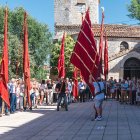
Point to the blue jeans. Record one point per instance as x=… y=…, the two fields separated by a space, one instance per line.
x=60 y=96
x=13 y=102
x=69 y=100
x=32 y=97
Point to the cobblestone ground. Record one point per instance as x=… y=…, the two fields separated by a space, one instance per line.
x=120 y=122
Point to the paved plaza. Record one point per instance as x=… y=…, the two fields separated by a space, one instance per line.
x=120 y=122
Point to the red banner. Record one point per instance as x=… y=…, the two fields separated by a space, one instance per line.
x=101 y=45
x=85 y=56
x=61 y=60
x=4 y=64
x=106 y=58
x=75 y=85
x=26 y=61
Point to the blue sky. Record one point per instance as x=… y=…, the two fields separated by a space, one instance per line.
x=43 y=10
x=116 y=12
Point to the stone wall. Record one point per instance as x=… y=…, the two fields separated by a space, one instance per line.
x=116 y=66
x=68 y=12
x=114 y=44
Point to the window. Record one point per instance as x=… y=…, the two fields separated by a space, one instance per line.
x=124 y=46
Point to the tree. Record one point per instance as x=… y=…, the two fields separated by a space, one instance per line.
x=69 y=45
x=134 y=9
x=40 y=42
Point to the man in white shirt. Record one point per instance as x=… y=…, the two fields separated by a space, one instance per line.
x=13 y=95
x=99 y=96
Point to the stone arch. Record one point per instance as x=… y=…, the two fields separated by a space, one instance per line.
x=132 y=62
x=124 y=46
x=132 y=68
x=128 y=56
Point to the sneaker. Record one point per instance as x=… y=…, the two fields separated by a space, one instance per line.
x=7 y=114
x=30 y=108
x=99 y=118
x=12 y=112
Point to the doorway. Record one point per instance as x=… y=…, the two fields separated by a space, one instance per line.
x=132 y=68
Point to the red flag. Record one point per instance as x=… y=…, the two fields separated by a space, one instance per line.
x=106 y=58
x=75 y=85
x=26 y=61
x=101 y=45
x=4 y=64
x=85 y=56
x=61 y=60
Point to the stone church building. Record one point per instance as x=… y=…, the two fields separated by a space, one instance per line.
x=123 y=40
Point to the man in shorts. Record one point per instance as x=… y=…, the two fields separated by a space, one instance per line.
x=99 y=96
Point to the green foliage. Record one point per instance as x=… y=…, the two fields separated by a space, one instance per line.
x=134 y=9
x=40 y=42
x=69 y=44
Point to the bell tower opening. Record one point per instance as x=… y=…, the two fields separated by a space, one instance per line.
x=132 y=68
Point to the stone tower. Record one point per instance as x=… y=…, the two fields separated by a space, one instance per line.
x=69 y=12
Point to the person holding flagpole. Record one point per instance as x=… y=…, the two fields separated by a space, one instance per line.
x=61 y=90
x=99 y=96
x=61 y=86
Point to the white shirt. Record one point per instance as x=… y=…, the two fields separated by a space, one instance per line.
x=17 y=91
x=97 y=89
x=13 y=88
x=81 y=85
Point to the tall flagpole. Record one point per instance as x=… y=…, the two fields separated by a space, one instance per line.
x=75 y=85
x=101 y=43
x=4 y=64
x=106 y=58
x=61 y=60
x=26 y=62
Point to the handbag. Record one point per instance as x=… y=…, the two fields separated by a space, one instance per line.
x=21 y=94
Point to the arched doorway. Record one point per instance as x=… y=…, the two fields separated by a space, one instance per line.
x=132 y=68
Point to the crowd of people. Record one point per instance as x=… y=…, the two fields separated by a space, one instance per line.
x=49 y=92
x=126 y=90
x=46 y=92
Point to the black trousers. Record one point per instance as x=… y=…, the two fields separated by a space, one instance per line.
x=82 y=95
x=118 y=94
x=60 y=96
x=133 y=96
